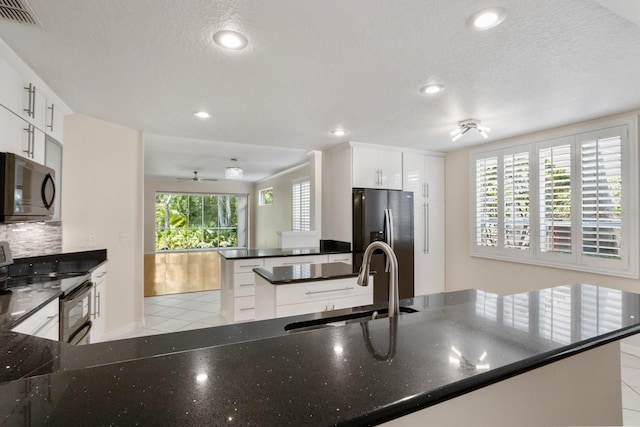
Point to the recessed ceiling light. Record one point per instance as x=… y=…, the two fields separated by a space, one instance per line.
x=230 y=39
x=202 y=114
x=339 y=132
x=432 y=89
x=486 y=18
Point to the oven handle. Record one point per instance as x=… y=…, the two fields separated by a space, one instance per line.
x=78 y=293
x=86 y=328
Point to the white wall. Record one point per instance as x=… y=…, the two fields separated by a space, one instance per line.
x=152 y=185
x=269 y=219
x=102 y=174
x=502 y=277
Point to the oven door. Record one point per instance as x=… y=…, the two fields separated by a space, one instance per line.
x=75 y=311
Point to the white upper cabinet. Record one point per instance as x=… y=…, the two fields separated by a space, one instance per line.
x=377 y=168
x=21 y=137
x=30 y=99
x=424 y=175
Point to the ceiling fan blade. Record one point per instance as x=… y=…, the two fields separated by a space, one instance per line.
x=208 y=179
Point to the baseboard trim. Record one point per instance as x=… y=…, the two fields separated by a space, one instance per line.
x=115 y=333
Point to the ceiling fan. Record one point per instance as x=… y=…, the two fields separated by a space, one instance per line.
x=195 y=178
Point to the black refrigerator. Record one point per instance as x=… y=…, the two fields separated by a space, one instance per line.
x=385 y=215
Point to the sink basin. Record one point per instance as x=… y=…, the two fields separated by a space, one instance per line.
x=341 y=320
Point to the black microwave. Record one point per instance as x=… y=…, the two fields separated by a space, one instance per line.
x=27 y=190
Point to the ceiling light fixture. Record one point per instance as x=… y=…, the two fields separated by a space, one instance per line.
x=432 y=89
x=202 y=115
x=233 y=172
x=230 y=40
x=339 y=132
x=465 y=126
x=486 y=18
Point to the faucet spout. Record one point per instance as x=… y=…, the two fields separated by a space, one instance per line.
x=392 y=263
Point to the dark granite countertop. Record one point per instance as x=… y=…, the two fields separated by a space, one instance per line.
x=32 y=287
x=232 y=254
x=288 y=274
x=333 y=375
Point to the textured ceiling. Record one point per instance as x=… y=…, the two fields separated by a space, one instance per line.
x=314 y=65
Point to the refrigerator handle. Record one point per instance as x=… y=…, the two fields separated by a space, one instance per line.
x=389 y=236
x=425 y=228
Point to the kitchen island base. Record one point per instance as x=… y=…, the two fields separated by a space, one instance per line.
x=580 y=390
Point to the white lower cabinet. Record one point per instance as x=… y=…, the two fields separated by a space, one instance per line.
x=309 y=297
x=44 y=323
x=98 y=304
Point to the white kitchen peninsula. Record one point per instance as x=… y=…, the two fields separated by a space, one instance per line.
x=308 y=288
x=237 y=279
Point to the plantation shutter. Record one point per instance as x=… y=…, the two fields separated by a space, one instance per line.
x=301 y=220
x=601 y=171
x=555 y=199
x=487 y=202
x=516 y=201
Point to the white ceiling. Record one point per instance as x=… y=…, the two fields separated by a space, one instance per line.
x=314 y=65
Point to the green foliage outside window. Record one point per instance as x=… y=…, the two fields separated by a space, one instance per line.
x=196 y=221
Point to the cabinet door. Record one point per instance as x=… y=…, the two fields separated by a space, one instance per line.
x=413 y=174
x=365 y=168
x=390 y=165
x=54 y=121
x=302 y=308
x=12 y=89
x=429 y=264
x=434 y=178
x=39 y=110
x=43 y=323
x=38 y=146
x=15 y=135
x=99 y=294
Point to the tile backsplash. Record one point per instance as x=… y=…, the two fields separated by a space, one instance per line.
x=32 y=238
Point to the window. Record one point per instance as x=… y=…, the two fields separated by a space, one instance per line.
x=563 y=202
x=301 y=205
x=197 y=221
x=265 y=196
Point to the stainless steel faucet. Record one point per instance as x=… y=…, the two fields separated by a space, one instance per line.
x=392 y=265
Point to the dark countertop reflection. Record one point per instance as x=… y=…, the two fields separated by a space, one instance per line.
x=288 y=274
x=255 y=373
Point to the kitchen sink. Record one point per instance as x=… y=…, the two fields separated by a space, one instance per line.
x=342 y=320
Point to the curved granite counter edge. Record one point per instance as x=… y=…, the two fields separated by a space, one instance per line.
x=451 y=391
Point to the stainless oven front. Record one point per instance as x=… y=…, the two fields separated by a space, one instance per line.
x=75 y=317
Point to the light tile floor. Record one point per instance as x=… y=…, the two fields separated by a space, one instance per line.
x=182 y=312
x=630 y=365
x=179 y=312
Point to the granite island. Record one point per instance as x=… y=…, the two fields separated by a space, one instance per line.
x=543 y=357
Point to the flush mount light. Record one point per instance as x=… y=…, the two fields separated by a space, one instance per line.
x=202 y=114
x=230 y=40
x=432 y=89
x=339 y=132
x=486 y=18
x=465 y=126
x=233 y=172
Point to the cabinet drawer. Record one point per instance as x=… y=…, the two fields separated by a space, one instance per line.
x=295 y=260
x=41 y=321
x=346 y=258
x=244 y=284
x=324 y=290
x=244 y=308
x=247 y=265
x=303 y=308
x=348 y=302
